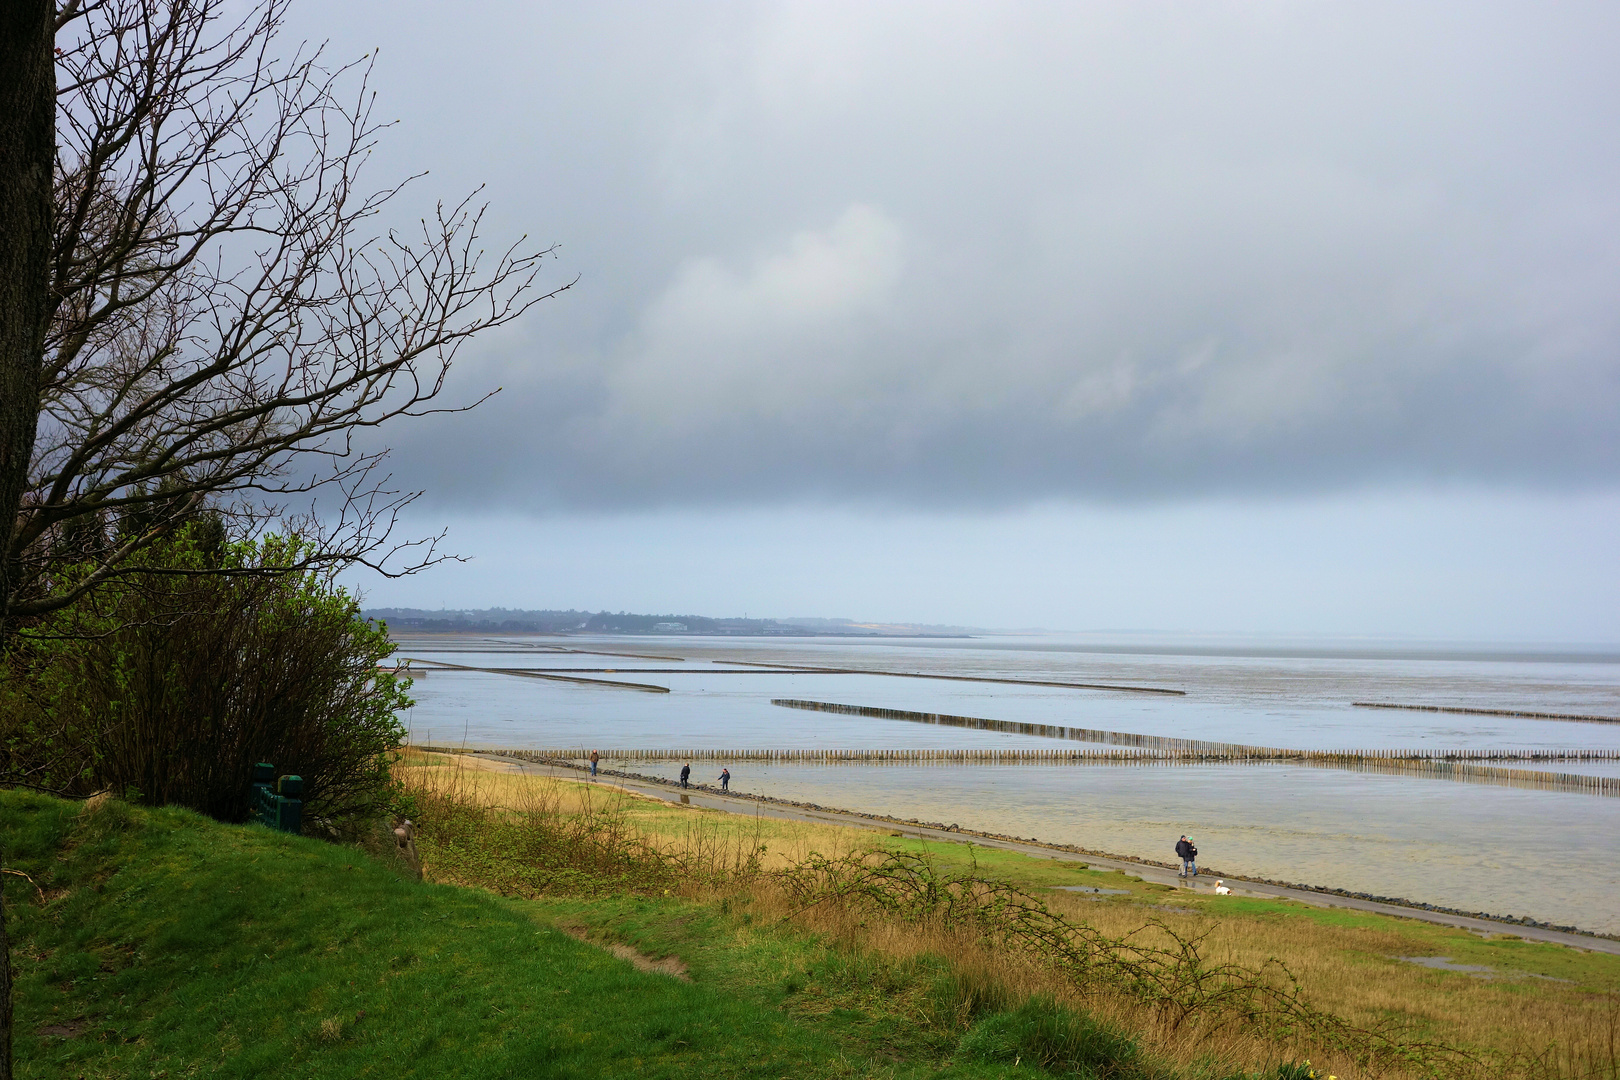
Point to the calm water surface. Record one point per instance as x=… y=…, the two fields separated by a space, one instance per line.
x=1550 y=855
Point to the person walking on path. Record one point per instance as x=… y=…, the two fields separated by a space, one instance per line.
x=1187 y=852
x=725 y=780
x=686 y=773
x=595 y=757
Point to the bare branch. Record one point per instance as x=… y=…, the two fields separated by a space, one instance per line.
x=225 y=315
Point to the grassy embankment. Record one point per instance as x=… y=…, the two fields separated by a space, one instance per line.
x=1557 y=1009
x=168 y=942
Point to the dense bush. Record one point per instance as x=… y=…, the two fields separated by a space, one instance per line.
x=171 y=683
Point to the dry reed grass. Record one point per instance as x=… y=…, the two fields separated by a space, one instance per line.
x=1340 y=999
x=505 y=786
x=1352 y=972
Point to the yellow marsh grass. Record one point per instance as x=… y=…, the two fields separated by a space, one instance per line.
x=1193 y=1046
x=1351 y=972
x=1346 y=970
x=498 y=784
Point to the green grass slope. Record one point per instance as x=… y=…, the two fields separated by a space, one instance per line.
x=169 y=944
x=160 y=943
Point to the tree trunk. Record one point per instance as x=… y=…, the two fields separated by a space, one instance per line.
x=27 y=153
x=5 y=986
x=27 y=150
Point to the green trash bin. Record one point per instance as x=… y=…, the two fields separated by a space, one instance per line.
x=290 y=804
x=276 y=803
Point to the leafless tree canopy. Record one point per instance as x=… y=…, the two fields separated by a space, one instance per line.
x=225 y=318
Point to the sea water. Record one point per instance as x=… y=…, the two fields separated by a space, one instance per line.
x=1546 y=854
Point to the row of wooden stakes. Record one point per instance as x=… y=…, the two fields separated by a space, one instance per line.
x=1405 y=766
x=1197 y=749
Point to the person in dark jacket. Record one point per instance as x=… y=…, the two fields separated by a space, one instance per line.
x=686 y=773
x=1187 y=852
x=725 y=779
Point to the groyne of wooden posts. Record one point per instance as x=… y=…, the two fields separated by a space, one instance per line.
x=1380 y=761
x=1463 y=765
x=1199 y=749
x=974 y=756
x=1584 y=718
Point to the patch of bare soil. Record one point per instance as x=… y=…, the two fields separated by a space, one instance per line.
x=668 y=965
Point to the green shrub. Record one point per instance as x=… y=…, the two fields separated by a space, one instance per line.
x=167 y=686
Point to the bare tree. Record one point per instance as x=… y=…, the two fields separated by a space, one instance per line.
x=223 y=321
x=195 y=308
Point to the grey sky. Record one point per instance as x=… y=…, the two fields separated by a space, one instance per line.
x=1463 y=566
x=969 y=259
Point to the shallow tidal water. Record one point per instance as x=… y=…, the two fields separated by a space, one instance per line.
x=1505 y=850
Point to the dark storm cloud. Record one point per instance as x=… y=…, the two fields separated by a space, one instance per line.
x=996 y=253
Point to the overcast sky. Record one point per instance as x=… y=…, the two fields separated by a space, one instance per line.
x=1252 y=316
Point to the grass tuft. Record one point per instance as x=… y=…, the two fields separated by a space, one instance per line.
x=1058 y=1040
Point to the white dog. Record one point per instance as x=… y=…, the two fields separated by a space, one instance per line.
x=1221 y=889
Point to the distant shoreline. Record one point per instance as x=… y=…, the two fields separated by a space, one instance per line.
x=553 y=621
x=662 y=634
x=1054 y=641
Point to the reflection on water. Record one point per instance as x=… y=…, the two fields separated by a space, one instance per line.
x=1507 y=851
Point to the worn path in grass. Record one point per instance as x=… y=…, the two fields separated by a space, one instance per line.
x=702 y=796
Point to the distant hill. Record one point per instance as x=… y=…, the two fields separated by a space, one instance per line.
x=519 y=621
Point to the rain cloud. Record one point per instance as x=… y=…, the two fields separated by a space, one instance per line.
x=969 y=256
